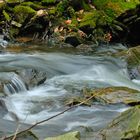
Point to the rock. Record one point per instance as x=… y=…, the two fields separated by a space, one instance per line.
x=16 y=24
x=68 y=136
x=23 y=12
x=84 y=48
x=3 y=43
x=131 y=20
x=132 y=57
x=41 y=13
x=1 y=90
x=124 y=127
x=112 y=95
x=33 y=77
x=73 y=40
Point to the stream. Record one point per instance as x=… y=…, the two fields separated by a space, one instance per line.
x=38 y=84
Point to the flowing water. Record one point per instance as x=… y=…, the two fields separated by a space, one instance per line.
x=66 y=75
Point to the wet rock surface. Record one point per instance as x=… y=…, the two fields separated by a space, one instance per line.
x=124 y=127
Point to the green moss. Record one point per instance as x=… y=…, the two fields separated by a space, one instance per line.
x=48 y=1
x=23 y=12
x=133 y=56
x=2 y=5
x=52 y=11
x=95 y=18
x=13 y=1
x=8 y=1
x=6 y=15
x=13 y=31
x=34 y=5
x=115 y=7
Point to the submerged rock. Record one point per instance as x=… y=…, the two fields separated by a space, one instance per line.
x=27 y=135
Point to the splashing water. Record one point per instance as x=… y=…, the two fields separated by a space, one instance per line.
x=67 y=76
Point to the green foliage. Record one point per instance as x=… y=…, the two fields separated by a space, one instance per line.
x=95 y=18
x=71 y=11
x=6 y=15
x=22 y=12
x=85 y=5
x=89 y=19
x=13 y=31
x=61 y=6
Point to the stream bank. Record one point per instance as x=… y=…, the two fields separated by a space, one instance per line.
x=70 y=22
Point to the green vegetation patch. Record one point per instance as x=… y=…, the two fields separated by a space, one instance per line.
x=115 y=7
x=34 y=5
x=23 y=12
x=6 y=15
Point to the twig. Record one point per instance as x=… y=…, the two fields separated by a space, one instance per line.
x=16 y=132
x=50 y=118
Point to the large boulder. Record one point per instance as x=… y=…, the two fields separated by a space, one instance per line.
x=124 y=127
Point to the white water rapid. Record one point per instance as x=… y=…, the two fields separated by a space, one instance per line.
x=66 y=76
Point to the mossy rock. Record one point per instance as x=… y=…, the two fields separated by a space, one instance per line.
x=23 y=12
x=113 y=95
x=68 y=136
x=124 y=127
x=94 y=19
x=116 y=6
x=133 y=56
